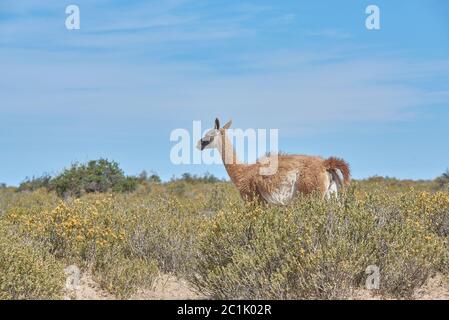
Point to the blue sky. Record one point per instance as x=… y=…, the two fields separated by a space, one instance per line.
x=136 y=70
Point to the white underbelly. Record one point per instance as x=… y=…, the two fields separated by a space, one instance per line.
x=285 y=192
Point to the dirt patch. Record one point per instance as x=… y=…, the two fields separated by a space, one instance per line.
x=436 y=288
x=87 y=289
x=166 y=287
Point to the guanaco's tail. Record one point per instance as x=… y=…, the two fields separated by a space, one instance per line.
x=332 y=164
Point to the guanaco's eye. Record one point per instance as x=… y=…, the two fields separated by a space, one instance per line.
x=205 y=141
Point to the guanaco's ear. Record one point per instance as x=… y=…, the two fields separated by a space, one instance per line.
x=227 y=125
x=217 y=124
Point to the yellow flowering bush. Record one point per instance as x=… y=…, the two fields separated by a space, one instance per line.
x=85 y=232
x=75 y=229
x=204 y=233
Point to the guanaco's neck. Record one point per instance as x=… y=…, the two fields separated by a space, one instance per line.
x=229 y=157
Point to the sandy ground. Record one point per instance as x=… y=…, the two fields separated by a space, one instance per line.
x=168 y=287
x=436 y=288
x=87 y=289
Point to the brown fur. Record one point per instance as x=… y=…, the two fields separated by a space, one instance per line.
x=332 y=164
x=313 y=173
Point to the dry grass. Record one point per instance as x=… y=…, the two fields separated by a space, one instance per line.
x=204 y=233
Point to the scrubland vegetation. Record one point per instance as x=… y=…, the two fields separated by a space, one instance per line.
x=198 y=229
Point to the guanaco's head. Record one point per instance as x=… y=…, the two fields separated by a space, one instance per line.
x=213 y=137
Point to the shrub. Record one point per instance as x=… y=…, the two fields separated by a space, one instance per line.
x=90 y=232
x=122 y=275
x=193 y=178
x=316 y=249
x=76 y=231
x=35 y=183
x=228 y=249
x=443 y=180
x=144 y=177
x=393 y=185
x=95 y=176
x=27 y=271
x=306 y=251
x=164 y=230
x=127 y=184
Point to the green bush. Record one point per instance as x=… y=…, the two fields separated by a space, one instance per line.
x=95 y=176
x=193 y=178
x=35 y=183
x=144 y=177
x=443 y=180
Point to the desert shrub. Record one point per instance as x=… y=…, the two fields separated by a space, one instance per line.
x=188 y=185
x=165 y=229
x=218 y=196
x=193 y=178
x=122 y=275
x=95 y=176
x=163 y=225
x=127 y=184
x=88 y=232
x=74 y=230
x=27 y=271
x=315 y=249
x=411 y=242
x=37 y=200
x=443 y=180
x=228 y=249
x=177 y=188
x=309 y=250
x=35 y=183
x=393 y=185
x=145 y=177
